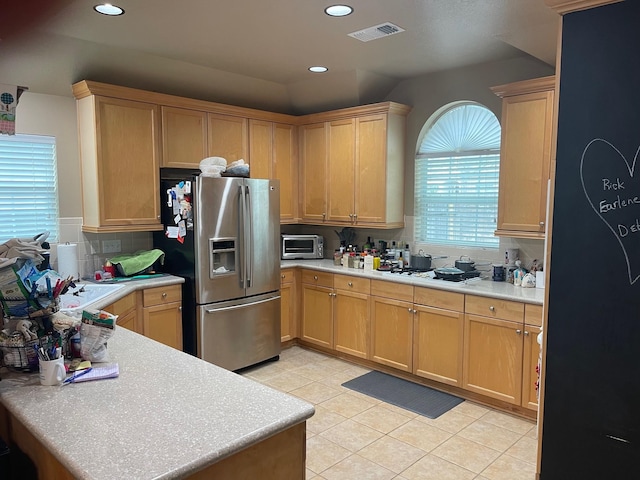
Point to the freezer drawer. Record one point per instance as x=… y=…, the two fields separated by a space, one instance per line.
x=239 y=333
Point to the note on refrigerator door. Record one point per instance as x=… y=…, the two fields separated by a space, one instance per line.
x=172 y=232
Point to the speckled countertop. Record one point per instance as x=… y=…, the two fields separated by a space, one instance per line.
x=166 y=416
x=483 y=288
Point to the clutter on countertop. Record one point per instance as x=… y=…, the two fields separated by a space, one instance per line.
x=97 y=327
x=129 y=264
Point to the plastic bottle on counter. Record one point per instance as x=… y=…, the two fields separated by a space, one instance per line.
x=406 y=255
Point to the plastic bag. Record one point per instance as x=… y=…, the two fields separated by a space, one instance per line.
x=97 y=327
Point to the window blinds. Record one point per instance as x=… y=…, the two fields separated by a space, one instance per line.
x=456 y=179
x=28 y=187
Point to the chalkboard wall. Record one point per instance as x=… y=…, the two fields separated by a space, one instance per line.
x=591 y=425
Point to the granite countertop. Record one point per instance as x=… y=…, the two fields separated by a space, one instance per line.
x=166 y=416
x=483 y=288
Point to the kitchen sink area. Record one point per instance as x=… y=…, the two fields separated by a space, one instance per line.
x=83 y=294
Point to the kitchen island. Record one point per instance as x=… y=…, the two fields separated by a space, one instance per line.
x=168 y=415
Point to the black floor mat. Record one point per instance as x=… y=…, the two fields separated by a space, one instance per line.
x=402 y=393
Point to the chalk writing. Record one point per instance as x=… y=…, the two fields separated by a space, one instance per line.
x=599 y=160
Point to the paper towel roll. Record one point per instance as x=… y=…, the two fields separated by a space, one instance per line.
x=68 y=260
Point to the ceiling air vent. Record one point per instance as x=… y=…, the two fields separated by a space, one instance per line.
x=379 y=31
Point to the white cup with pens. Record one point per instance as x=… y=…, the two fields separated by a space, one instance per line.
x=51 y=365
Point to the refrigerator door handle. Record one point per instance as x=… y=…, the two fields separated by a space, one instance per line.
x=248 y=254
x=241 y=221
x=235 y=307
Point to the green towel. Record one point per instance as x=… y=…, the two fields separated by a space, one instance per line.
x=132 y=263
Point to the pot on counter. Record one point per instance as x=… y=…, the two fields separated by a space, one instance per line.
x=449 y=273
x=465 y=264
x=421 y=261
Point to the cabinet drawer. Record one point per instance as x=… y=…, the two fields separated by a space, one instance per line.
x=495 y=308
x=352 y=284
x=286 y=276
x=439 y=299
x=161 y=295
x=398 y=291
x=533 y=314
x=315 y=277
x=122 y=306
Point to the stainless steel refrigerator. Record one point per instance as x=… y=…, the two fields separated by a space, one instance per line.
x=221 y=235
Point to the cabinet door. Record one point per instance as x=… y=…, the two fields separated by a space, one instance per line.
x=351 y=323
x=285 y=169
x=438 y=344
x=260 y=148
x=392 y=333
x=317 y=315
x=341 y=170
x=184 y=137
x=524 y=162
x=530 y=367
x=288 y=329
x=126 y=309
x=228 y=137
x=370 y=170
x=163 y=323
x=128 y=147
x=313 y=148
x=493 y=358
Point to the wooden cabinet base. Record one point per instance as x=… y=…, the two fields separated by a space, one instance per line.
x=280 y=457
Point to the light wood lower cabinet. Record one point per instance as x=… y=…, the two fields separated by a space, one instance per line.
x=493 y=348
x=351 y=315
x=317 y=308
x=162 y=315
x=126 y=309
x=392 y=333
x=438 y=335
x=288 y=329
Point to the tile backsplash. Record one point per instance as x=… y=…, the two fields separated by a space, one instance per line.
x=529 y=249
x=90 y=254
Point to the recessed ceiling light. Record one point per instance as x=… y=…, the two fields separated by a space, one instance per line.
x=108 y=9
x=338 y=10
x=318 y=69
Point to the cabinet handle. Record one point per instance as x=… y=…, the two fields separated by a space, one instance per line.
x=315 y=277
x=282 y=276
x=542 y=224
x=164 y=295
x=355 y=216
x=526 y=333
x=414 y=311
x=492 y=308
x=179 y=309
x=350 y=284
x=518 y=332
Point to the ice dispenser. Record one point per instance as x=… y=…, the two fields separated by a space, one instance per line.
x=222 y=256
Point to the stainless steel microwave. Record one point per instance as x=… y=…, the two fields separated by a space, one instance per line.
x=302 y=247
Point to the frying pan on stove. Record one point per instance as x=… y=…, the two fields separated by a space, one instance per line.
x=448 y=273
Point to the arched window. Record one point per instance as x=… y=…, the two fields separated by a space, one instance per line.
x=456 y=177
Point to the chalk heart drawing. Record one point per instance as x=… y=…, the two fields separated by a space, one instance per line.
x=614 y=194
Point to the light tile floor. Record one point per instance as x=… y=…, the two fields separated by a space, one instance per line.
x=354 y=436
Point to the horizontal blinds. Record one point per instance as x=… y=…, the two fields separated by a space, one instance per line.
x=28 y=187
x=456 y=200
x=456 y=178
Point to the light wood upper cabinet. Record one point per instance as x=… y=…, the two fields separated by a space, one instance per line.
x=525 y=156
x=184 y=137
x=272 y=150
x=359 y=153
x=313 y=151
x=228 y=137
x=341 y=170
x=120 y=160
